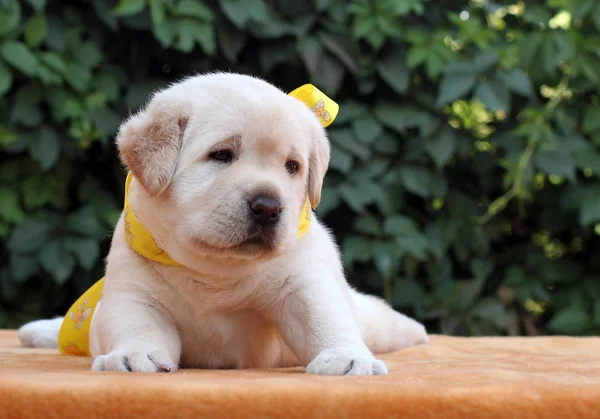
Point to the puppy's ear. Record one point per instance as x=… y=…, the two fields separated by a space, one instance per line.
x=318 y=164
x=149 y=144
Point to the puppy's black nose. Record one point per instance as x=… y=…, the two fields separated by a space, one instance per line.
x=265 y=210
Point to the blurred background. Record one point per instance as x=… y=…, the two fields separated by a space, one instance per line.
x=464 y=180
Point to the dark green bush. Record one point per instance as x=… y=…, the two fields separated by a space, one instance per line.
x=464 y=176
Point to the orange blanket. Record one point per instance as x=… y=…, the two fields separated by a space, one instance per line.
x=449 y=378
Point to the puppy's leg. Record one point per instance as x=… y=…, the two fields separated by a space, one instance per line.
x=317 y=323
x=384 y=329
x=40 y=333
x=133 y=336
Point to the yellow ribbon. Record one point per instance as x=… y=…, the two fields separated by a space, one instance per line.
x=74 y=332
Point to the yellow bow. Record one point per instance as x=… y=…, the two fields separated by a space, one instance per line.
x=73 y=335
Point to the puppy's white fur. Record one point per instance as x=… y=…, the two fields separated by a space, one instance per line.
x=241 y=299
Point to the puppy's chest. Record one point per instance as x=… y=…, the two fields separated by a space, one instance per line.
x=229 y=327
x=242 y=339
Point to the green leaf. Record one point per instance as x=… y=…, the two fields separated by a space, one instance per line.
x=529 y=48
x=434 y=66
x=165 y=33
x=137 y=94
x=86 y=250
x=597 y=313
x=350 y=110
x=46 y=148
x=191 y=31
x=331 y=74
x=407 y=293
x=417 y=56
x=459 y=78
x=557 y=162
x=36 y=192
x=485 y=60
x=104 y=11
x=22 y=267
x=494 y=95
x=323 y=5
x=6 y=79
x=194 y=9
x=582 y=8
x=415 y=245
x=231 y=41
x=7 y=138
x=129 y=7
x=596 y=17
x=105 y=120
x=85 y=222
x=385 y=255
x=393 y=70
x=491 y=310
x=570 y=321
x=55 y=258
x=38 y=5
x=10 y=210
x=343 y=49
x=48 y=77
x=399 y=118
x=28 y=236
x=355 y=248
x=28 y=114
x=481 y=268
x=88 y=54
x=518 y=82
x=588 y=159
x=441 y=147
x=55 y=62
x=368 y=224
x=240 y=12
x=35 y=31
x=343 y=138
x=589 y=211
x=10 y=16
x=19 y=56
x=330 y=200
x=399 y=225
x=402 y=8
x=416 y=180
x=79 y=76
x=366 y=128
x=109 y=85
x=591 y=119
x=157 y=11
x=356 y=196
x=466 y=293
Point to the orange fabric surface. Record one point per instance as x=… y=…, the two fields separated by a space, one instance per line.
x=450 y=378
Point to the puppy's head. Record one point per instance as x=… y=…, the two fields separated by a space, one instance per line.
x=229 y=161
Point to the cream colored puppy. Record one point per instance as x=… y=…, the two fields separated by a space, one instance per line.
x=223 y=164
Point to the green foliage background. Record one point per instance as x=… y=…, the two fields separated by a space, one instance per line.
x=464 y=176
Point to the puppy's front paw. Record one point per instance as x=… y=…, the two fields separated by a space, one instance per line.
x=345 y=362
x=135 y=360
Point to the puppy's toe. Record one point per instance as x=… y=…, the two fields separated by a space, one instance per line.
x=153 y=360
x=345 y=362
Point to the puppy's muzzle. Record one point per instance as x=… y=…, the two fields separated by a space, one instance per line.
x=264 y=210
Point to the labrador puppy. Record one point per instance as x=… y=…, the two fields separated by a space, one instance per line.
x=205 y=154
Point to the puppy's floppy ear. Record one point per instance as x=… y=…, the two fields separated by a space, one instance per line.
x=149 y=143
x=318 y=164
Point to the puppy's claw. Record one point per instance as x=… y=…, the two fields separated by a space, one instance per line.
x=135 y=361
x=345 y=362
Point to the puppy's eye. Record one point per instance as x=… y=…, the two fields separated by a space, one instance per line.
x=224 y=156
x=292 y=167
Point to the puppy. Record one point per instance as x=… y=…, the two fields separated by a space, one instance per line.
x=222 y=166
